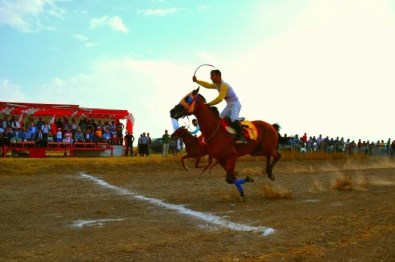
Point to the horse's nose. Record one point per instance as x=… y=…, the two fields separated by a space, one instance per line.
x=172 y=112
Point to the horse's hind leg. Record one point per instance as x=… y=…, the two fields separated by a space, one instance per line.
x=267 y=164
x=269 y=171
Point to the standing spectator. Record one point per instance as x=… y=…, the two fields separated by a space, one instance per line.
x=140 y=145
x=39 y=138
x=59 y=123
x=83 y=123
x=149 y=144
x=319 y=142
x=165 y=143
x=14 y=123
x=45 y=129
x=4 y=124
x=40 y=123
x=32 y=129
x=129 y=139
x=120 y=127
x=303 y=139
x=144 y=145
x=74 y=126
x=388 y=146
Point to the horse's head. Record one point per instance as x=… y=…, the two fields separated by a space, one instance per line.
x=180 y=132
x=186 y=105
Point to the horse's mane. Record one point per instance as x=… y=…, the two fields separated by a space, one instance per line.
x=213 y=108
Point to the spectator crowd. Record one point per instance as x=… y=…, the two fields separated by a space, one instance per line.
x=326 y=144
x=13 y=130
x=41 y=131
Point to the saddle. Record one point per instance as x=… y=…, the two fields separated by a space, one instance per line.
x=202 y=141
x=250 y=131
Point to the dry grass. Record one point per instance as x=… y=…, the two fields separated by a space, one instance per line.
x=114 y=164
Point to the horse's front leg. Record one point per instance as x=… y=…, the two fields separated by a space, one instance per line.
x=197 y=162
x=230 y=170
x=210 y=160
x=182 y=161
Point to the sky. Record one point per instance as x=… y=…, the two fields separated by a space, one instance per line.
x=312 y=66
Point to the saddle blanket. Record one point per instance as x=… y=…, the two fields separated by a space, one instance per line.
x=250 y=130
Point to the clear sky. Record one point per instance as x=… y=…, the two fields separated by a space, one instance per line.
x=316 y=66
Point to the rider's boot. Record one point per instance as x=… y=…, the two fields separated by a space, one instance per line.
x=240 y=139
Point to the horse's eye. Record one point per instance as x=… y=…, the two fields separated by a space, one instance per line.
x=188 y=99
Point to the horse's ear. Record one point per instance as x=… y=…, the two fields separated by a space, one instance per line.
x=194 y=92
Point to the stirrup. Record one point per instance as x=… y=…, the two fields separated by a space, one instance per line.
x=241 y=140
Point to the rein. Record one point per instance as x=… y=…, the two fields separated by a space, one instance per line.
x=215 y=131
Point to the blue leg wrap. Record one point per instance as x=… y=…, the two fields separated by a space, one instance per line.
x=238 y=184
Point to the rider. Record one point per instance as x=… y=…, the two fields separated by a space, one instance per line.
x=197 y=127
x=226 y=93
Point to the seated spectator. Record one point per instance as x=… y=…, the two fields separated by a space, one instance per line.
x=68 y=137
x=16 y=135
x=26 y=135
x=88 y=135
x=98 y=134
x=50 y=138
x=79 y=136
x=107 y=136
x=59 y=135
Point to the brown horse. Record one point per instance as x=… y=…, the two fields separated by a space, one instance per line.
x=194 y=148
x=222 y=146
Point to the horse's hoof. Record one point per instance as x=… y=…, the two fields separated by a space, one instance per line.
x=249 y=179
x=243 y=198
x=272 y=177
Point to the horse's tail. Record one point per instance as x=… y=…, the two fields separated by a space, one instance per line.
x=277 y=128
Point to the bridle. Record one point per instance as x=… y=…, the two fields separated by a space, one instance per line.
x=190 y=101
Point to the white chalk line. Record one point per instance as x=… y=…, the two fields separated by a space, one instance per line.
x=99 y=222
x=181 y=209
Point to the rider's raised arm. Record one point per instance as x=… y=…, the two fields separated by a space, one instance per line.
x=206 y=84
x=223 y=90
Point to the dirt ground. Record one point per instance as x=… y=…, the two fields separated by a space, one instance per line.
x=321 y=210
